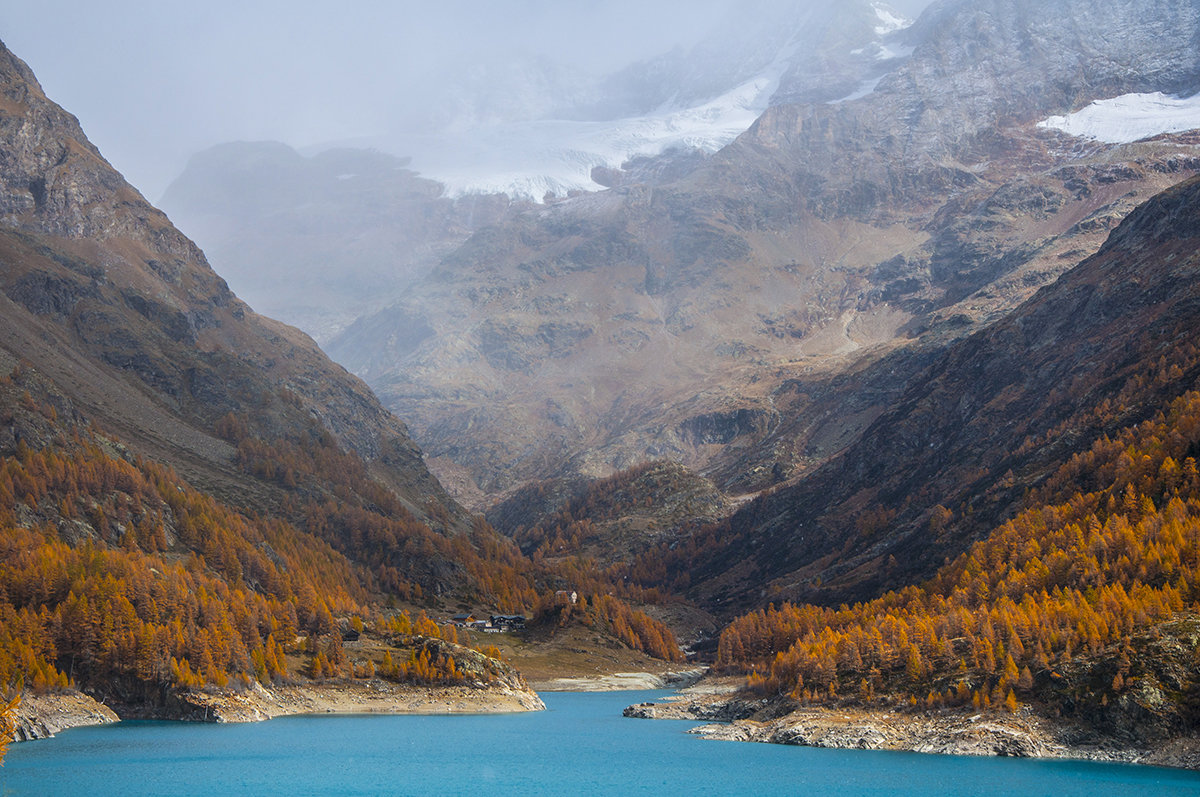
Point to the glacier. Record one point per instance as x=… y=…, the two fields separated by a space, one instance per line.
x=548 y=156
x=889 y=20
x=1130 y=117
x=700 y=100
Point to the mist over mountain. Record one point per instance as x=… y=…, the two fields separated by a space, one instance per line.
x=320 y=241
x=703 y=316
x=535 y=128
x=316 y=75
x=526 y=129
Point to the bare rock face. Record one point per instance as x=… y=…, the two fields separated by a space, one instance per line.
x=42 y=716
x=704 y=318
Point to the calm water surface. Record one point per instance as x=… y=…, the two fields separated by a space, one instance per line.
x=581 y=745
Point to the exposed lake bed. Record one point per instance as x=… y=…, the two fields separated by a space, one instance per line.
x=730 y=714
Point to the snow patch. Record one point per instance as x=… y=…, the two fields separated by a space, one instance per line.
x=889 y=21
x=888 y=52
x=864 y=88
x=1130 y=117
x=885 y=52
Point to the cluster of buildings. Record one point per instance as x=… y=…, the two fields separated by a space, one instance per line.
x=497 y=623
x=492 y=625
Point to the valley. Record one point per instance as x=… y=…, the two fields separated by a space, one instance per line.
x=886 y=402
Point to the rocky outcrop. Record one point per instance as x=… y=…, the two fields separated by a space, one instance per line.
x=945 y=731
x=946 y=734
x=42 y=716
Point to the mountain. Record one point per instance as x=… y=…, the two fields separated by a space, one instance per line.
x=193 y=497
x=531 y=128
x=1106 y=346
x=711 y=317
x=1017 y=533
x=320 y=241
x=122 y=312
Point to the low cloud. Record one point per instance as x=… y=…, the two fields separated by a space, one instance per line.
x=153 y=83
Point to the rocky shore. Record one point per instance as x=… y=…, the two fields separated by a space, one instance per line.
x=735 y=717
x=621 y=681
x=357 y=697
x=42 y=716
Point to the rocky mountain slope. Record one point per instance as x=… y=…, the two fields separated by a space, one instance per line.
x=107 y=299
x=609 y=520
x=710 y=318
x=1110 y=343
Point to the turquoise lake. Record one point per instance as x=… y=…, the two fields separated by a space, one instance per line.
x=580 y=745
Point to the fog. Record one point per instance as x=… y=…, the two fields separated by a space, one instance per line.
x=153 y=83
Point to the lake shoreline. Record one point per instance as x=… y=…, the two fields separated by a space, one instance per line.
x=733 y=716
x=43 y=716
x=621 y=681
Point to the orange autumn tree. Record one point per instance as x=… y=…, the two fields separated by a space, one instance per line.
x=8 y=725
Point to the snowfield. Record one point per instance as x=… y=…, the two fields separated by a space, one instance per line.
x=531 y=159
x=1130 y=117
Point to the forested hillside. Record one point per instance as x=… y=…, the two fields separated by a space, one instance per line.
x=120 y=577
x=1087 y=598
